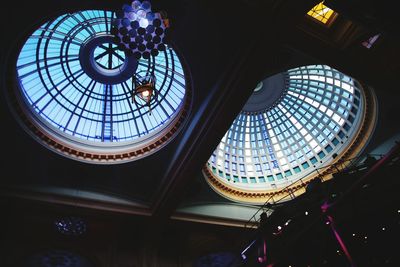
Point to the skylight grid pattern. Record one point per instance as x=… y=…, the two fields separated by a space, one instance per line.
x=59 y=91
x=317 y=117
x=321 y=12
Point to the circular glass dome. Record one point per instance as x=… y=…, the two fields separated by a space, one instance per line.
x=76 y=88
x=299 y=121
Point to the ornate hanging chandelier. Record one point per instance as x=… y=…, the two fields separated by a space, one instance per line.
x=145 y=92
x=139 y=31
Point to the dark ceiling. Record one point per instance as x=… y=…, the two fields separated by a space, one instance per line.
x=228 y=47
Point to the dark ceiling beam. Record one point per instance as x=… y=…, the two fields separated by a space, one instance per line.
x=372 y=14
x=260 y=56
x=74 y=201
x=202 y=135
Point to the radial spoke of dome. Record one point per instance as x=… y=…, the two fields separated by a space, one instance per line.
x=127 y=92
x=87 y=26
x=101 y=55
x=117 y=55
x=83 y=108
x=58 y=92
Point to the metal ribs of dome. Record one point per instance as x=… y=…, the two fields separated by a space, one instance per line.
x=89 y=115
x=312 y=125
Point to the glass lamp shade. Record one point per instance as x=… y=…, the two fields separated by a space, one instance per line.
x=145 y=92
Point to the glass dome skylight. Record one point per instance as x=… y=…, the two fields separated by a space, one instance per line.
x=76 y=86
x=299 y=121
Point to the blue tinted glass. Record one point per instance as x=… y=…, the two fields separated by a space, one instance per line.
x=61 y=93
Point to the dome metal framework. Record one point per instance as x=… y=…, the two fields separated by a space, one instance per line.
x=317 y=114
x=75 y=89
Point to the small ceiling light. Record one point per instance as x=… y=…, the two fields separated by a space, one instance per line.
x=279 y=227
x=306 y=213
x=144 y=92
x=383 y=228
x=371 y=40
x=365 y=237
x=354 y=234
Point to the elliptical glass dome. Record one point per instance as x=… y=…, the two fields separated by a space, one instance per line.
x=75 y=88
x=293 y=124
